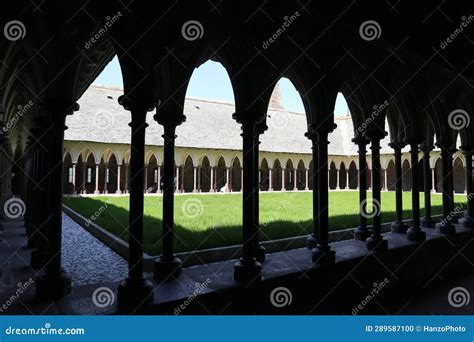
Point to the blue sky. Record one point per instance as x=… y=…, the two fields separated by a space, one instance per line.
x=210 y=81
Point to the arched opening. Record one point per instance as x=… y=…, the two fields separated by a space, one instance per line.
x=205 y=175
x=459 y=175
x=353 y=176
x=301 y=176
x=68 y=175
x=188 y=175
x=289 y=176
x=342 y=176
x=80 y=179
x=391 y=176
x=151 y=177
x=310 y=176
x=264 y=176
x=90 y=174
x=276 y=175
x=406 y=175
x=332 y=176
x=236 y=175
x=221 y=175
x=111 y=174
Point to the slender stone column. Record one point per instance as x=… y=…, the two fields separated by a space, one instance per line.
x=199 y=178
x=337 y=180
x=376 y=242
x=433 y=177
x=445 y=226
x=385 y=180
x=84 y=177
x=227 y=178
x=126 y=178
x=362 y=233
x=469 y=217
x=212 y=180
x=248 y=269
x=74 y=191
x=270 y=179
x=195 y=179
x=398 y=226
x=54 y=282
x=158 y=185
x=347 y=179
x=119 y=190
x=283 y=186
x=306 y=182
x=106 y=174
x=177 y=187
x=168 y=265
x=415 y=233
x=295 y=179
x=96 y=191
x=427 y=221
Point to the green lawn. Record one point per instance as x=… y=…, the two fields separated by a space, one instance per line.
x=206 y=221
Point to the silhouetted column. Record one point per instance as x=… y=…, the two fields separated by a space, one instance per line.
x=398 y=226
x=427 y=221
x=446 y=226
x=376 y=242
x=312 y=240
x=469 y=217
x=119 y=169
x=415 y=233
x=168 y=265
x=248 y=269
x=259 y=249
x=135 y=290
x=362 y=233
x=322 y=253
x=54 y=282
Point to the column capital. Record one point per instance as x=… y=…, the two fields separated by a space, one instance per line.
x=249 y=118
x=167 y=119
x=316 y=130
x=136 y=103
x=397 y=145
x=360 y=140
x=375 y=134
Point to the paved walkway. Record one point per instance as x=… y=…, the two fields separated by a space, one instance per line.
x=88 y=260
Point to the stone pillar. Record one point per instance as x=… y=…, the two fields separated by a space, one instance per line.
x=54 y=283
x=135 y=290
x=283 y=186
x=385 y=180
x=270 y=179
x=84 y=177
x=199 y=179
x=337 y=180
x=376 y=242
x=427 y=221
x=347 y=178
x=469 y=217
x=295 y=179
x=106 y=190
x=248 y=269
x=227 y=178
x=74 y=191
x=212 y=180
x=306 y=182
x=445 y=226
x=398 y=226
x=126 y=178
x=362 y=232
x=168 y=265
x=176 y=186
x=433 y=177
x=96 y=191
x=415 y=233
x=119 y=169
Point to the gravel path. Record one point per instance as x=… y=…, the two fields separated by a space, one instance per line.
x=86 y=259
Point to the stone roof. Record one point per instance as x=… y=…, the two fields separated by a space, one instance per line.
x=209 y=125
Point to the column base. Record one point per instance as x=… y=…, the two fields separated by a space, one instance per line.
x=362 y=234
x=260 y=254
x=306 y=189
x=167 y=269
x=134 y=293
x=51 y=286
x=311 y=242
x=427 y=223
x=74 y=192
x=377 y=244
x=323 y=257
x=399 y=227
x=39 y=258
x=446 y=228
x=468 y=223
x=96 y=192
x=416 y=235
x=247 y=273
x=118 y=192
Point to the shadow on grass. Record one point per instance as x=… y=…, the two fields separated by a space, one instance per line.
x=115 y=220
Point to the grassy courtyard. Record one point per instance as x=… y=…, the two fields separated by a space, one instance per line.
x=206 y=221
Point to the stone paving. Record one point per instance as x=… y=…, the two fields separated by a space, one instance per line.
x=86 y=259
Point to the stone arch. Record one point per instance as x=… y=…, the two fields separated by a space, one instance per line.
x=221 y=173
x=236 y=175
x=68 y=176
x=332 y=176
x=353 y=176
x=342 y=176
